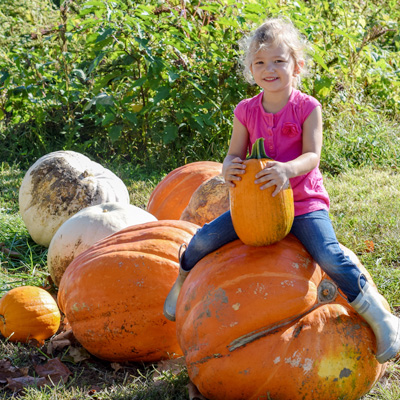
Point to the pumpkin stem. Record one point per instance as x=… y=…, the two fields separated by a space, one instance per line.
x=258 y=150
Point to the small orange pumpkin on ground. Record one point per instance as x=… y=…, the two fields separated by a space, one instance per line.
x=258 y=218
x=253 y=323
x=28 y=312
x=113 y=293
x=171 y=196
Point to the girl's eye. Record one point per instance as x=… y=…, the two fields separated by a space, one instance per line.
x=279 y=61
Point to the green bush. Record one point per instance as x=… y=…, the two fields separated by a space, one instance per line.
x=155 y=82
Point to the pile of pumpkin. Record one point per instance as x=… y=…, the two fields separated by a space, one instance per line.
x=252 y=321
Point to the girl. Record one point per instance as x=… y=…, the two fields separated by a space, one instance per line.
x=291 y=124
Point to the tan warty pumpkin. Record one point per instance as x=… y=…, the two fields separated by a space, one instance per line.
x=113 y=293
x=264 y=323
x=28 y=312
x=258 y=218
x=171 y=196
x=209 y=201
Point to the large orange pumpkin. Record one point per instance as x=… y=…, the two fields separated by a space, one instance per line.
x=113 y=293
x=28 y=312
x=258 y=218
x=171 y=196
x=251 y=326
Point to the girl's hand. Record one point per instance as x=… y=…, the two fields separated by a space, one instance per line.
x=232 y=169
x=274 y=174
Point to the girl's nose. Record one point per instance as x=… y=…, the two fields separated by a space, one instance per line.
x=270 y=67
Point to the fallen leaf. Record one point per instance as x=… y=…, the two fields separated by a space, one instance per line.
x=79 y=354
x=7 y=370
x=36 y=343
x=54 y=370
x=369 y=246
x=60 y=341
x=57 y=345
x=10 y=253
x=17 y=384
x=116 y=366
x=93 y=392
x=24 y=371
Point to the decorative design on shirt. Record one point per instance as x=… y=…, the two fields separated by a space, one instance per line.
x=290 y=129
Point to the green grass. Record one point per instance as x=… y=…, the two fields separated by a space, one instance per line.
x=99 y=379
x=365 y=205
x=359 y=140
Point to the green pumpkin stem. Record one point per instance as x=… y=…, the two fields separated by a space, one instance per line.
x=258 y=150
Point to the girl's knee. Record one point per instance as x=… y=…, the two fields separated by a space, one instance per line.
x=332 y=257
x=199 y=243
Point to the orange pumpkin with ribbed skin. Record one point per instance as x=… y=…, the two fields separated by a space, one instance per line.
x=171 y=196
x=113 y=293
x=28 y=312
x=258 y=218
x=251 y=327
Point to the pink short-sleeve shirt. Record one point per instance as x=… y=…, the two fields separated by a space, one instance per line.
x=284 y=141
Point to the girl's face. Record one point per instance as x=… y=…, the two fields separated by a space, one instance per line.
x=274 y=69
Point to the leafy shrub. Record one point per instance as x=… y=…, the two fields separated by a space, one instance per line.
x=155 y=82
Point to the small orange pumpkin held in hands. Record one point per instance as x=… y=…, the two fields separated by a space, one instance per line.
x=258 y=218
x=28 y=312
x=265 y=322
x=113 y=293
x=171 y=196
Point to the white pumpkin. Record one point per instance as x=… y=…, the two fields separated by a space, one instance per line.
x=60 y=184
x=85 y=228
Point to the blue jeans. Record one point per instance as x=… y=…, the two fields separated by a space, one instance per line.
x=315 y=232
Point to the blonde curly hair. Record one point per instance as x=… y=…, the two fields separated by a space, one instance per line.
x=274 y=31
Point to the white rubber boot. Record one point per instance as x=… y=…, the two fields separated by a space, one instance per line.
x=385 y=325
x=172 y=298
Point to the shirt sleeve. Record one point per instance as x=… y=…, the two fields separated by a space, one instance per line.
x=240 y=112
x=309 y=104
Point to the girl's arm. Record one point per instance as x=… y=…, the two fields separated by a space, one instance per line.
x=277 y=173
x=233 y=165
